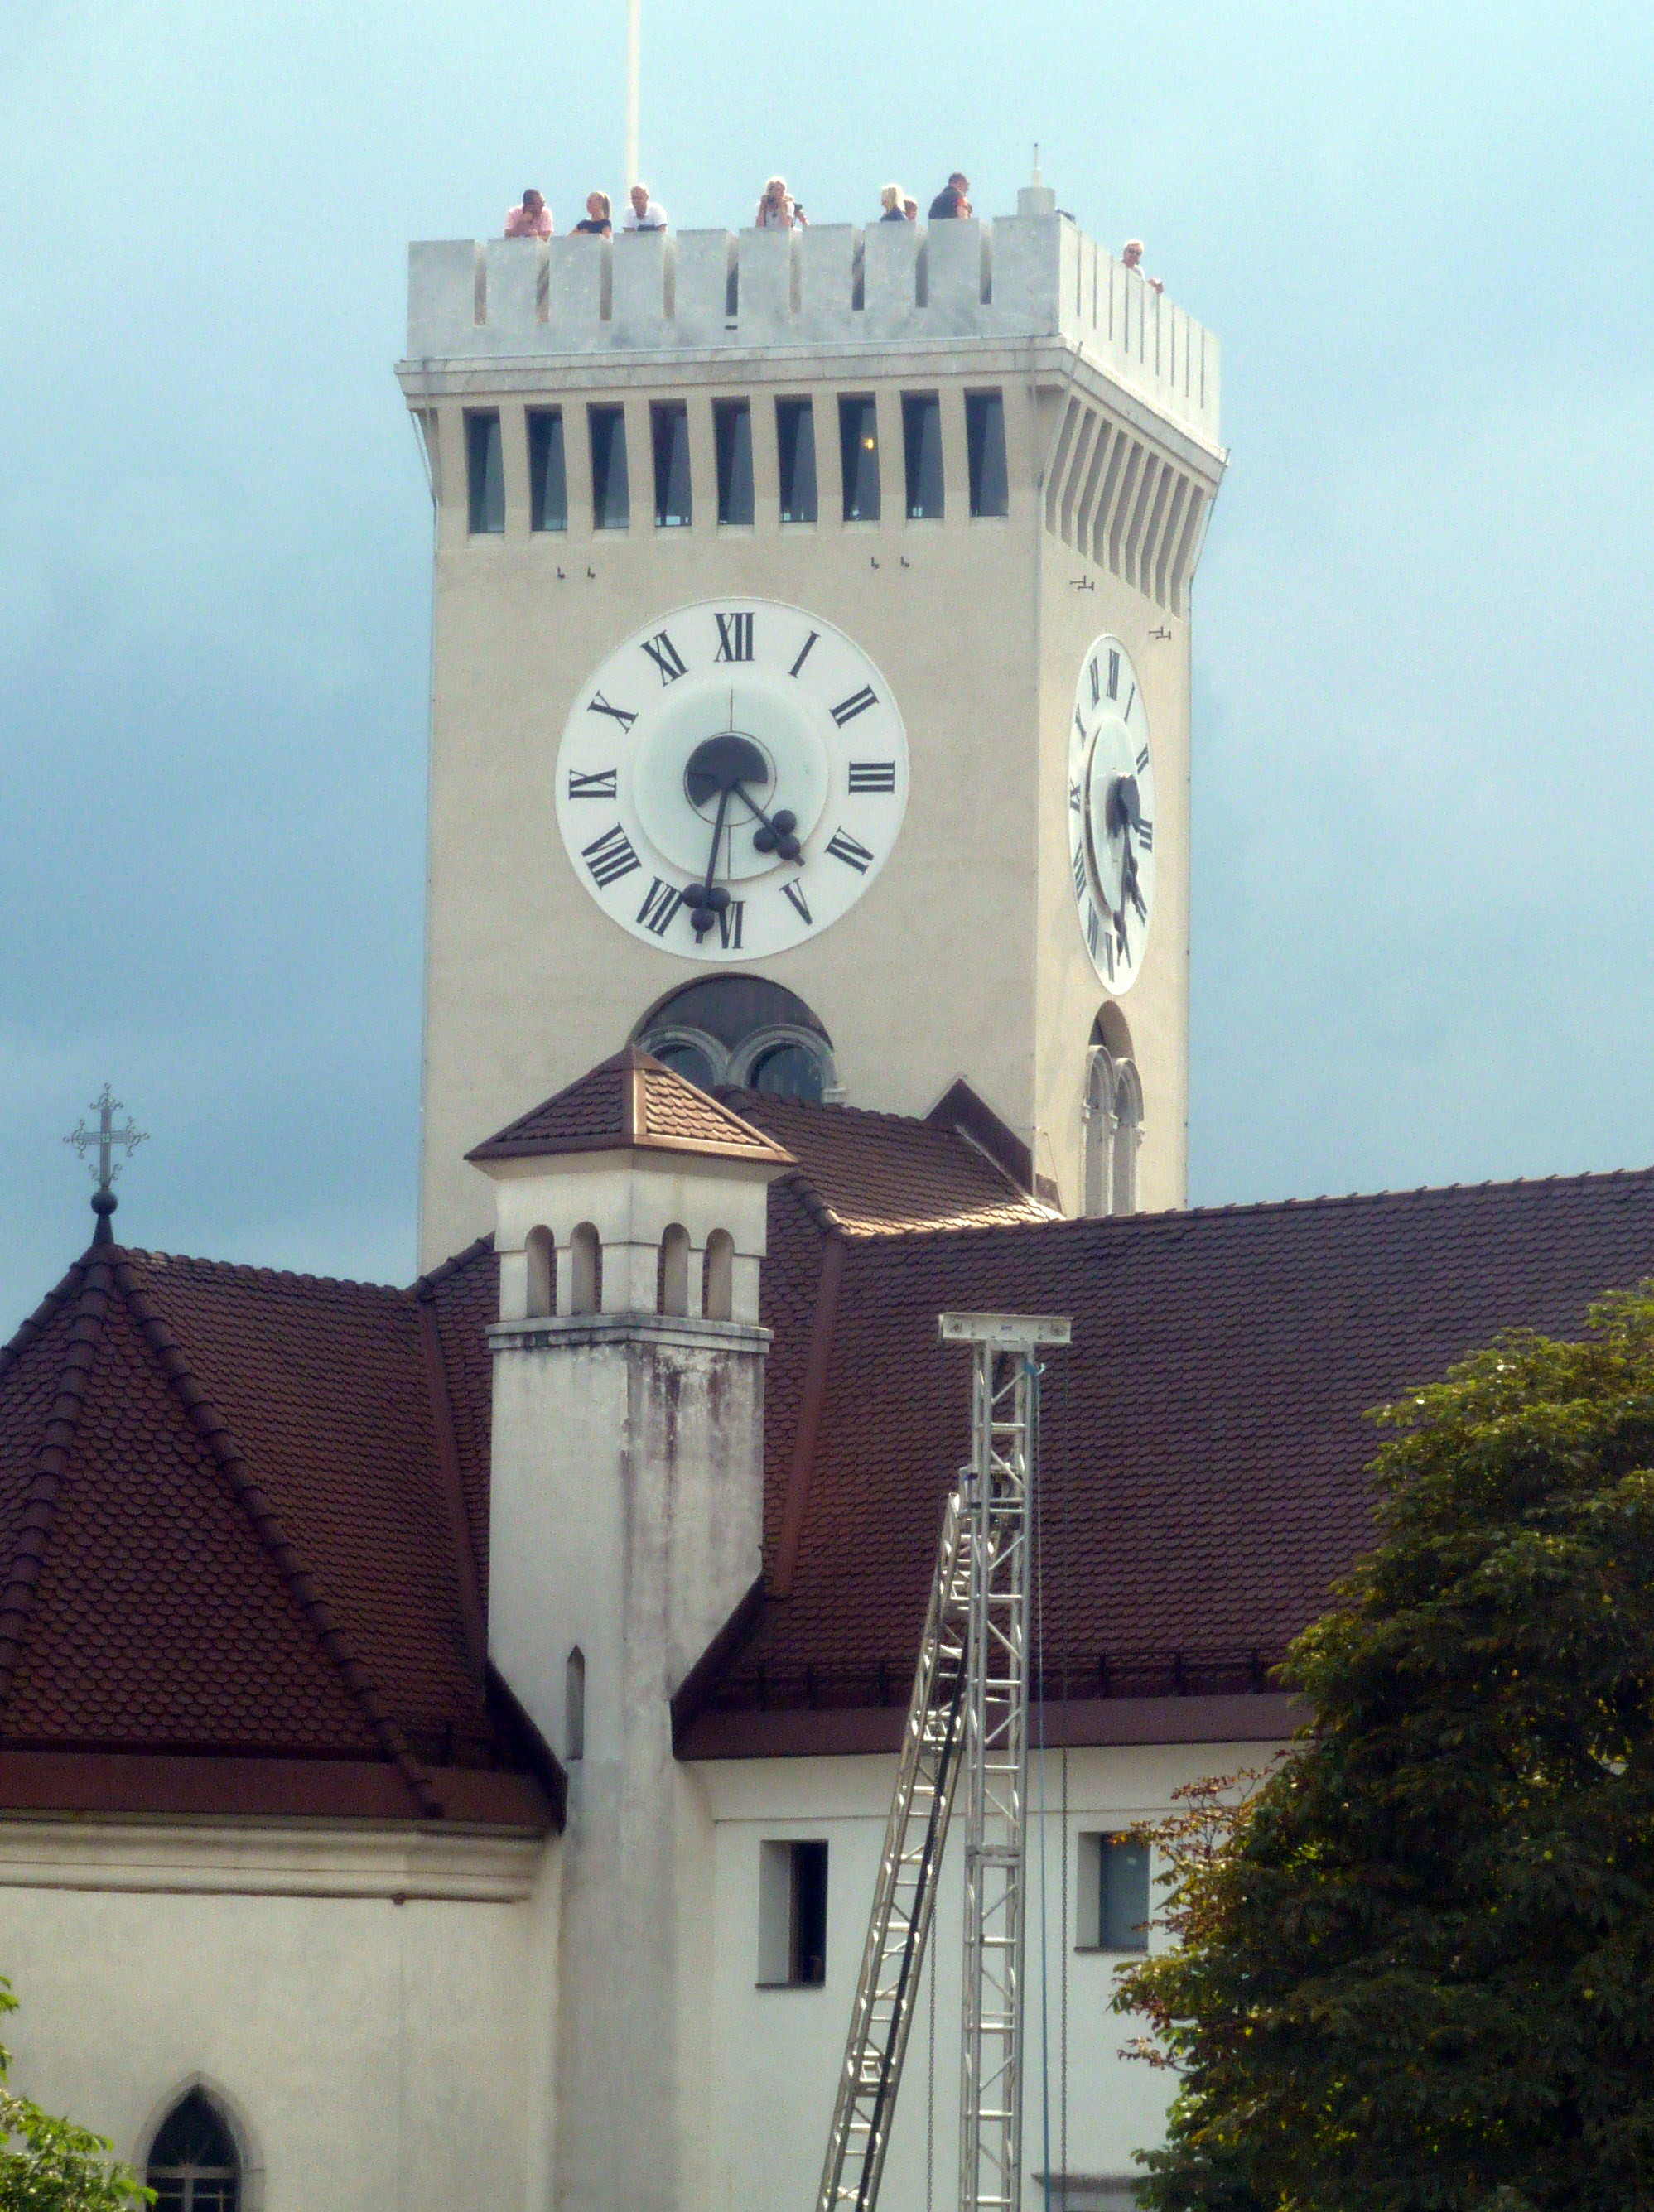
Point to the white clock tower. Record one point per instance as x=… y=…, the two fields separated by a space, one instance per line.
x=811 y=678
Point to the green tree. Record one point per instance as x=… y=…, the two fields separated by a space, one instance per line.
x=1416 y=1964
x=50 y=2165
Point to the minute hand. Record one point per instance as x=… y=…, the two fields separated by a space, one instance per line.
x=704 y=904
x=781 y=825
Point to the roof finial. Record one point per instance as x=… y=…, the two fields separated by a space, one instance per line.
x=105 y=1137
x=1037 y=179
x=1037 y=197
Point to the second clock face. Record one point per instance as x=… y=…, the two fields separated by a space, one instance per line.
x=731 y=779
x=1111 y=813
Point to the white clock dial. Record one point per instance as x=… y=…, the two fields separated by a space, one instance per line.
x=1111 y=813
x=731 y=779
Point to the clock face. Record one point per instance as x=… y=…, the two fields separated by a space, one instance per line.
x=731 y=779
x=1111 y=813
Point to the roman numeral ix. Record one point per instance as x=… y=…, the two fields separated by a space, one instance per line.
x=600 y=784
x=610 y=856
x=665 y=656
x=872 y=775
x=734 y=638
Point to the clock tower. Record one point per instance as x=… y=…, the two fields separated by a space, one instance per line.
x=811 y=672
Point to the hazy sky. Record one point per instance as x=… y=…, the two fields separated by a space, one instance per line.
x=1423 y=779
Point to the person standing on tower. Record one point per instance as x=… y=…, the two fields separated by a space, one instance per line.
x=644 y=213
x=894 y=205
x=1131 y=257
x=530 y=218
x=778 y=209
x=597 y=222
x=951 y=202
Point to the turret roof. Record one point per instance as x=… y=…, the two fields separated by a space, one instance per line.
x=631 y=1103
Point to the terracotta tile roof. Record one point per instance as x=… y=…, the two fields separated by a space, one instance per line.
x=1204 y=1440
x=876 y=1175
x=223 y=1528
x=630 y=1103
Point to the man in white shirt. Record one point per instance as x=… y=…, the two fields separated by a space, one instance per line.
x=644 y=213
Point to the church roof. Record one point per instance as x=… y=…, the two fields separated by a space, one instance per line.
x=244 y=1513
x=232 y=1534
x=630 y=1103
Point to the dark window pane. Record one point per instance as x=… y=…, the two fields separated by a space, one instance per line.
x=670 y=424
x=922 y=453
x=809 y=1961
x=611 y=498
x=548 y=482
x=985 y=439
x=684 y=1059
x=858 y=445
x=732 y=422
x=795 y=441
x=1123 y=1907
x=788 y=1071
x=484 y=475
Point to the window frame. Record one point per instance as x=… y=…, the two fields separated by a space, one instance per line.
x=484 y=484
x=673 y=414
x=913 y=510
x=794 y=1908
x=726 y=462
x=801 y=407
x=995 y=397
x=538 y=459
x=849 y=438
x=1092 y=1928
x=611 y=414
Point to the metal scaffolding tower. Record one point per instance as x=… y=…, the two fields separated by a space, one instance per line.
x=968 y=1716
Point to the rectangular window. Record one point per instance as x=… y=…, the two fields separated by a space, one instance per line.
x=858 y=445
x=1114 y=1893
x=795 y=448
x=732 y=424
x=485 y=474
x=669 y=424
x=792 y=1915
x=611 y=498
x=985 y=444
x=548 y=481
x=921 y=454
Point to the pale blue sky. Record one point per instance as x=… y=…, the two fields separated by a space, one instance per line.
x=1424 y=780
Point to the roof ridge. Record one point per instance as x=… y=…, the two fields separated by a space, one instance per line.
x=423 y=1285
x=215 y=1432
x=52 y=1456
x=31 y=1324
x=299 y=1275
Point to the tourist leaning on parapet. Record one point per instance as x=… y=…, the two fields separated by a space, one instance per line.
x=952 y=200
x=895 y=204
x=597 y=223
x=644 y=213
x=778 y=209
x=530 y=218
x=1131 y=255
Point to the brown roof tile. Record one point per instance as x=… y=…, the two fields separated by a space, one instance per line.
x=630 y=1103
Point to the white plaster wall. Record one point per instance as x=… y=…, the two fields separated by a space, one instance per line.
x=377 y=2047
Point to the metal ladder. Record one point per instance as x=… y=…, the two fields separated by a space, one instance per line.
x=969 y=1714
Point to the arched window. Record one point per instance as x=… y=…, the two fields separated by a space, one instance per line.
x=1127 y=1135
x=674 y=1270
x=573 y=1704
x=743 y=1029
x=585 y=1270
x=720 y=1275
x=1112 y=1130
x=194 y=2166
x=542 y=1273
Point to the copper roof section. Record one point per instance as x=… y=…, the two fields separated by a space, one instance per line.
x=631 y=1103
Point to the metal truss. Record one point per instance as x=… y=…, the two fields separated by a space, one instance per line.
x=968 y=1716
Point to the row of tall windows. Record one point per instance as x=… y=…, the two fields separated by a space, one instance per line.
x=861 y=476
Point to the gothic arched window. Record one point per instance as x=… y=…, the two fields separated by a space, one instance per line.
x=1113 y=1129
x=542 y=1254
x=193 y=2165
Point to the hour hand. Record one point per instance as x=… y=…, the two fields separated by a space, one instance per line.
x=777 y=832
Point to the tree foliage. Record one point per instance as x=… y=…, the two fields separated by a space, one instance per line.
x=1415 y=1963
x=50 y=2165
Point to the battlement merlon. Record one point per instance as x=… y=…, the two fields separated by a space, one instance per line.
x=831 y=288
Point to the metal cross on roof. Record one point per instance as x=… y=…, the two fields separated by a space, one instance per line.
x=105 y=1137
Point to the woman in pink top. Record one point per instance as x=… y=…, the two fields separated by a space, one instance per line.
x=530 y=218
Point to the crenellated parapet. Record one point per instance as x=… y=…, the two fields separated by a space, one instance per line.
x=1031 y=276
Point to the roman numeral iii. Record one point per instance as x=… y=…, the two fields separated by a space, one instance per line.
x=857 y=703
x=734 y=638
x=854 y=853
x=872 y=775
x=600 y=784
x=610 y=856
x=665 y=656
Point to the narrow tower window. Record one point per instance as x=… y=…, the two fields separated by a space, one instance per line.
x=585 y=1261
x=542 y=1257
x=573 y=1704
x=795 y=452
x=674 y=1270
x=611 y=498
x=192 y=2165
x=921 y=454
x=858 y=445
x=731 y=423
x=1114 y=1893
x=792 y=1915
x=720 y=1275
x=669 y=422
x=985 y=444
x=485 y=474
x=548 y=481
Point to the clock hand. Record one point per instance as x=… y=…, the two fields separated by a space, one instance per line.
x=777 y=832
x=703 y=900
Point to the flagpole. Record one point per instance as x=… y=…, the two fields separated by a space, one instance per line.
x=633 y=47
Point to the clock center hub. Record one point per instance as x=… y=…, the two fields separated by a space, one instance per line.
x=720 y=764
